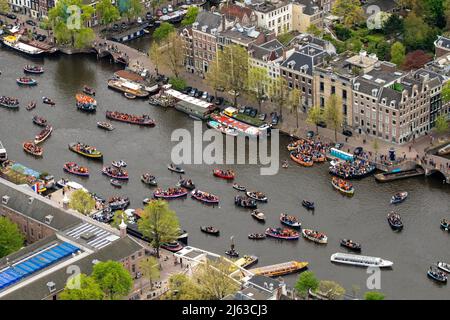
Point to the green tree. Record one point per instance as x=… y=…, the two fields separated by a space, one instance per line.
x=350 y=11
x=331 y=289
x=162 y=32
x=258 y=79
x=393 y=25
x=445 y=93
x=4 y=6
x=181 y=287
x=114 y=280
x=441 y=124
x=314 y=30
x=155 y=4
x=155 y=56
x=333 y=114
x=398 y=53
x=416 y=32
x=119 y=215
x=177 y=83
x=82 y=202
x=81 y=287
x=279 y=93
x=150 y=269
x=214 y=76
x=373 y=295
x=11 y=240
x=306 y=280
x=314 y=117
x=134 y=10
x=190 y=16
x=108 y=12
x=172 y=48
x=294 y=102
x=159 y=224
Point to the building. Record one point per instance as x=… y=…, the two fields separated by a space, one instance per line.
x=442 y=46
x=242 y=36
x=306 y=13
x=239 y=14
x=258 y=287
x=274 y=16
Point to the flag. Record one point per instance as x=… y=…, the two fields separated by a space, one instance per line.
x=35 y=187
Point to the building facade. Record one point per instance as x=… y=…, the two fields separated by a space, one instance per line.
x=276 y=17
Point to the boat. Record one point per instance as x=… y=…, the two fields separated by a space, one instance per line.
x=246 y=261
x=43 y=135
x=48 y=101
x=397 y=175
x=40 y=121
x=256 y=236
x=14 y=42
x=444 y=266
x=61 y=183
x=301 y=159
x=105 y=125
x=9 y=102
x=285 y=164
x=85 y=102
x=171 y=193
x=232 y=251
x=222 y=128
x=129 y=95
x=186 y=183
x=308 y=204
x=143 y=120
x=349 y=244
x=210 y=230
x=125 y=86
x=31 y=105
x=119 y=164
x=116 y=183
x=33 y=69
x=175 y=168
x=360 y=261
x=149 y=179
x=3 y=153
x=444 y=150
x=437 y=275
x=399 y=197
x=89 y=90
x=280 y=269
x=26 y=81
x=183 y=236
x=343 y=186
x=315 y=236
x=290 y=221
x=85 y=150
x=282 y=233
x=205 y=197
x=445 y=224
x=257 y=195
x=118 y=203
x=173 y=246
x=239 y=187
x=32 y=149
x=224 y=174
x=73 y=168
x=245 y=202
x=258 y=215
x=115 y=173
x=395 y=220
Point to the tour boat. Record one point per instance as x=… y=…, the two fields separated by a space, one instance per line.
x=26 y=81
x=360 y=261
x=85 y=102
x=395 y=220
x=85 y=150
x=186 y=183
x=31 y=105
x=246 y=261
x=315 y=236
x=105 y=125
x=43 y=135
x=33 y=149
x=308 y=204
x=210 y=230
x=399 y=197
x=116 y=183
x=224 y=174
x=115 y=173
x=205 y=197
x=256 y=236
x=437 y=275
x=282 y=233
x=48 y=101
x=343 y=186
x=349 y=244
x=239 y=187
x=9 y=102
x=171 y=193
x=245 y=202
x=143 y=120
x=73 y=168
x=257 y=195
x=258 y=215
x=40 y=121
x=149 y=179
x=89 y=90
x=175 y=168
x=301 y=159
x=290 y=221
x=33 y=69
x=118 y=203
x=445 y=224
x=444 y=266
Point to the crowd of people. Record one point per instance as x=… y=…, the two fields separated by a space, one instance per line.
x=170 y=192
x=308 y=148
x=10 y=101
x=352 y=169
x=115 y=172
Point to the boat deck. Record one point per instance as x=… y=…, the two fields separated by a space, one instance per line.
x=238 y=125
x=280 y=268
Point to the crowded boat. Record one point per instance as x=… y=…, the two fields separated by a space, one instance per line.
x=258 y=215
x=301 y=159
x=33 y=149
x=245 y=202
x=395 y=220
x=309 y=149
x=170 y=193
x=75 y=169
x=351 y=245
x=26 y=81
x=143 y=120
x=257 y=195
x=204 y=196
x=40 y=121
x=115 y=173
x=210 y=230
x=43 y=135
x=290 y=221
x=437 y=275
x=9 y=102
x=85 y=102
x=315 y=236
x=186 y=183
x=149 y=179
x=282 y=233
x=343 y=186
x=399 y=197
x=85 y=150
x=224 y=174
x=33 y=69
x=118 y=203
x=355 y=169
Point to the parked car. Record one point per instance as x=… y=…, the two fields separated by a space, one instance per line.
x=253 y=112
x=31 y=23
x=169 y=8
x=159 y=13
x=115 y=27
x=198 y=94
x=310 y=134
x=186 y=90
x=139 y=20
x=322 y=124
x=339 y=145
x=241 y=109
x=248 y=110
x=11 y=16
x=210 y=99
x=205 y=95
x=275 y=119
x=123 y=25
x=262 y=116
x=219 y=101
x=193 y=92
x=165 y=11
x=347 y=132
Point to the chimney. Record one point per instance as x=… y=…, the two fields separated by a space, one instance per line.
x=123 y=229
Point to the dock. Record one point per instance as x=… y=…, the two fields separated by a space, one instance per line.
x=391 y=176
x=280 y=269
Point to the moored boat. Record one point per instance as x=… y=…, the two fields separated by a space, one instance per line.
x=282 y=233
x=173 y=246
x=222 y=128
x=246 y=261
x=257 y=195
x=210 y=230
x=175 y=168
x=224 y=174
x=33 y=69
x=105 y=125
x=444 y=150
x=360 y=261
x=85 y=150
x=205 y=197
x=245 y=202
x=32 y=149
x=349 y=244
x=395 y=220
x=315 y=236
x=26 y=81
x=149 y=179
x=256 y=236
x=171 y=193
x=118 y=203
x=437 y=275
x=31 y=105
x=280 y=269
x=73 y=168
x=343 y=186
x=308 y=204
x=399 y=197
x=301 y=159
x=239 y=187
x=258 y=215
x=143 y=120
x=444 y=266
x=43 y=135
x=290 y=221
x=9 y=102
x=40 y=121
x=129 y=95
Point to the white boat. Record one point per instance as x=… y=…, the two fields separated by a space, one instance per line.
x=444 y=151
x=14 y=43
x=361 y=261
x=444 y=266
x=3 y=154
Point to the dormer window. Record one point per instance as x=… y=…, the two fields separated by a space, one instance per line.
x=51 y=286
x=5 y=199
x=48 y=219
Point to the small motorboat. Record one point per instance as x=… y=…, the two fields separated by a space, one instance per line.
x=343 y=186
x=399 y=197
x=48 y=101
x=26 y=81
x=282 y=233
x=395 y=220
x=437 y=275
x=105 y=125
x=89 y=90
x=129 y=95
x=175 y=168
x=285 y=164
x=204 y=197
x=232 y=252
x=258 y=215
x=43 y=135
x=119 y=164
x=210 y=230
x=290 y=221
x=308 y=204
x=245 y=202
x=445 y=224
x=349 y=244
x=33 y=69
x=31 y=105
x=315 y=236
x=239 y=187
x=257 y=195
x=149 y=179
x=33 y=149
x=115 y=173
x=85 y=150
x=246 y=261
x=171 y=193
x=224 y=174
x=256 y=236
x=186 y=183
x=444 y=266
x=40 y=121
x=75 y=169
x=115 y=183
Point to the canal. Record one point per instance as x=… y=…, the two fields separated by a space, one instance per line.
x=361 y=218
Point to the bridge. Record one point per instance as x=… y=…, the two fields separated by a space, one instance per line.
x=433 y=164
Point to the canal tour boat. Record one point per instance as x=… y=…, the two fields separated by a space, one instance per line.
x=31 y=105
x=115 y=173
x=33 y=149
x=395 y=220
x=437 y=275
x=282 y=233
x=85 y=102
x=171 y=193
x=280 y=269
x=351 y=245
x=26 y=81
x=360 y=261
x=224 y=174
x=246 y=261
x=186 y=183
x=445 y=224
x=315 y=236
x=48 y=101
x=175 y=168
x=105 y=125
x=40 y=121
x=256 y=236
x=301 y=159
x=399 y=197
x=239 y=187
x=444 y=266
x=205 y=197
x=210 y=230
x=258 y=215
x=9 y=102
x=33 y=69
x=143 y=120
x=3 y=153
x=85 y=150
x=308 y=204
x=343 y=186
x=75 y=169
x=257 y=195
x=43 y=135
x=245 y=202
x=149 y=179
x=290 y=221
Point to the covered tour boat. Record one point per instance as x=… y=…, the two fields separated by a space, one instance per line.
x=171 y=193
x=315 y=236
x=26 y=81
x=32 y=149
x=210 y=230
x=75 y=169
x=85 y=150
x=282 y=233
x=143 y=120
x=205 y=197
x=290 y=221
x=43 y=135
x=343 y=186
x=224 y=174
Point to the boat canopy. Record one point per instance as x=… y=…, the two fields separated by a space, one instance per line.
x=191 y=100
x=341 y=154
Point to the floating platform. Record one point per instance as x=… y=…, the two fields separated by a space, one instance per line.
x=280 y=269
x=391 y=176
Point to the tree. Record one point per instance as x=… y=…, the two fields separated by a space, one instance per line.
x=107 y=11
x=257 y=84
x=150 y=269
x=190 y=17
x=11 y=239
x=350 y=11
x=315 y=116
x=314 y=30
x=398 y=52
x=333 y=114
x=294 y=102
x=416 y=60
x=82 y=202
x=177 y=83
x=88 y=289
x=181 y=287
x=393 y=25
x=155 y=4
x=162 y=32
x=114 y=280
x=155 y=56
x=332 y=290
x=118 y=217
x=159 y=224
x=214 y=76
x=416 y=32
x=373 y=295
x=441 y=124
x=172 y=49
x=445 y=93
x=4 y=6
x=306 y=281
x=279 y=93
x=134 y=10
